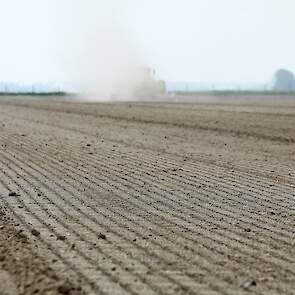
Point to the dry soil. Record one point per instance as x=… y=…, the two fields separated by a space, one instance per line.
x=147 y=198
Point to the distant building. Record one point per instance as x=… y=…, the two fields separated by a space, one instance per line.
x=283 y=81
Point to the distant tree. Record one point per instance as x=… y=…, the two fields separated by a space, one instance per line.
x=284 y=81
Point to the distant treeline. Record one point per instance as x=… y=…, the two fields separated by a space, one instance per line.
x=232 y=92
x=57 y=93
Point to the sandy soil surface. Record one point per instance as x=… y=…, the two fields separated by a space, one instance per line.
x=139 y=198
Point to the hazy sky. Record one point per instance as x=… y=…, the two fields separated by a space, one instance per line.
x=184 y=40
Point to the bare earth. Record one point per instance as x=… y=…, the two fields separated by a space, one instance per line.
x=147 y=198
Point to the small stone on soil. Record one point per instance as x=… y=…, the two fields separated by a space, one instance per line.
x=23 y=236
x=35 y=232
x=12 y=194
x=64 y=289
x=102 y=236
x=61 y=238
x=247 y=284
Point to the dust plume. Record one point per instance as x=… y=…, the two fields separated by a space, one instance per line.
x=103 y=61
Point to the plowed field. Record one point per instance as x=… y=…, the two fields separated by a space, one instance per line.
x=147 y=198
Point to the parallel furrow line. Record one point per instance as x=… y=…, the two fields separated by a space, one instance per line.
x=205 y=193
x=247 y=170
x=250 y=251
x=49 y=246
x=67 y=214
x=84 y=238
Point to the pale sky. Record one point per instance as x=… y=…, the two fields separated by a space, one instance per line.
x=184 y=40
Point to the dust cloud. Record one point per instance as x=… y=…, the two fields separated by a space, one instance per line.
x=103 y=60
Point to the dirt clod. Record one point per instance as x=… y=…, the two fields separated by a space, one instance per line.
x=65 y=289
x=102 y=236
x=22 y=236
x=248 y=284
x=12 y=194
x=61 y=238
x=35 y=232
